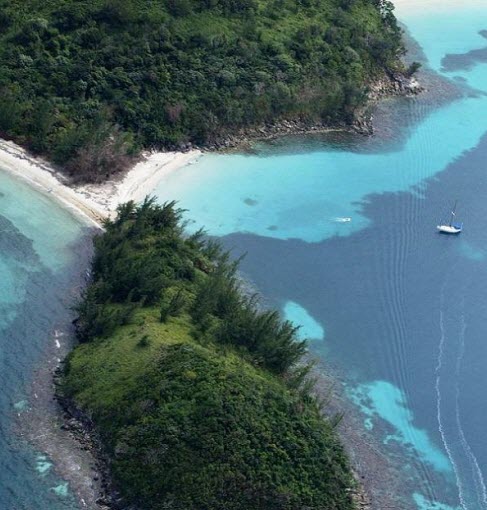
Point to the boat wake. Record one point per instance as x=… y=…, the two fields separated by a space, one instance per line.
x=439 y=416
x=476 y=471
x=450 y=427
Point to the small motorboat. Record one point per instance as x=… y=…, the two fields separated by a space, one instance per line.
x=451 y=228
x=343 y=220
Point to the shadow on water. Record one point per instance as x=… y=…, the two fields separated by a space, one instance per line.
x=404 y=311
x=465 y=61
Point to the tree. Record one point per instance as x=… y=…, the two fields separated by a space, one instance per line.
x=413 y=69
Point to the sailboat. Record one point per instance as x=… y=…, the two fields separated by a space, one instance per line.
x=451 y=228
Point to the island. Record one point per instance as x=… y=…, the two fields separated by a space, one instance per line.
x=91 y=84
x=200 y=400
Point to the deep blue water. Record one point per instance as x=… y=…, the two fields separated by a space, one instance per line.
x=399 y=310
x=42 y=256
x=404 y=311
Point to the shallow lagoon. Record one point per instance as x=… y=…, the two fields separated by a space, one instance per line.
x=403 y=308
x=39 y=265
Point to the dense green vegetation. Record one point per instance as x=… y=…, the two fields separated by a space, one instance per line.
x=91 y=82
x=201 y=400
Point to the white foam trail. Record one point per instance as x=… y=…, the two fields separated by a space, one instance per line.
x=476 y=471
x=439 y=365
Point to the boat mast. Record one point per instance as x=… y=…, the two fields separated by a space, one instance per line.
x=453 y=213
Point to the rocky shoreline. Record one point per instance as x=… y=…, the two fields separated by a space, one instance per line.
x=390 y=85
x=81 y=430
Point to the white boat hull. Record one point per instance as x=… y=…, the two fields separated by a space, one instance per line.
x=447 y=229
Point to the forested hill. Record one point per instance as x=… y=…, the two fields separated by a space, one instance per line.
x=87 y=81
x=200 y=399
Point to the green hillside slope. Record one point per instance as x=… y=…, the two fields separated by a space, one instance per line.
x=91 y=82
x=200 y=400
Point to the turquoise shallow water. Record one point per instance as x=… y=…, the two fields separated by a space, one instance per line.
x=305 y=196
x=40 y=264
x=400 y=310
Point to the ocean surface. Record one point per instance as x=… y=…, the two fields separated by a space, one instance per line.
x=42 y=260
x=340 y=234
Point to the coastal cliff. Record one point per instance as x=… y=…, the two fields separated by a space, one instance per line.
x=199 y=399
x=103 y=80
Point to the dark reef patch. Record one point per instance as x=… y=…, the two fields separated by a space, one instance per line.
x=465 y=61
x=250 y=201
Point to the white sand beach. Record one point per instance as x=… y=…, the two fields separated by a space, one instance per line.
x=93 y=202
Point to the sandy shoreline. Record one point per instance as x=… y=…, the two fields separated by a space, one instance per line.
x=92 y=202
x=45 y=424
